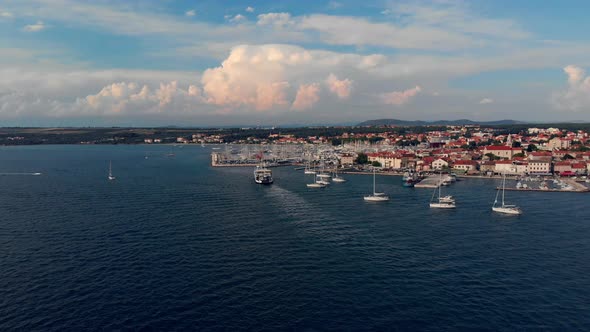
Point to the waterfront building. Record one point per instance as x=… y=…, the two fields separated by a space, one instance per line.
x=465 y=166
x=579 y=168
x=539 y=167
x=510 y=167
x=487 y=166
x=440 y=163
x=562 y=167
x=347 y=159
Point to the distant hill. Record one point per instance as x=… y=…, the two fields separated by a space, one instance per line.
x=404 y=123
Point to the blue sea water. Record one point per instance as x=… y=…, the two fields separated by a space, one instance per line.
x=174 y=244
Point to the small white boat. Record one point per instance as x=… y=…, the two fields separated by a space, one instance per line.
x=111 y=176
x=443 y=202
x=505 y=208
x=316 y=184
x=337 y=178
x=376 y=197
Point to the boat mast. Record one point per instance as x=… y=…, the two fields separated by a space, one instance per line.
x=373 y=181
x=439 y=185
x=503 y=188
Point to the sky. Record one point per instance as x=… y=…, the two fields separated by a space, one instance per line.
x=259 y=63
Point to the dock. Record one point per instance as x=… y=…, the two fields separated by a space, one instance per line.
x=578 y=188
x=433 y=181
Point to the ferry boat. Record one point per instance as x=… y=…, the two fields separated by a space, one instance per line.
x=263 y=175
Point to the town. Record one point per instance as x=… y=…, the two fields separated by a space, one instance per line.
x=464 y=149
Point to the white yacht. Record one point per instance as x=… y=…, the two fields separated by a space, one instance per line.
x=505 y=208
x=442 y=202
x=376 y=197
x=316 y=183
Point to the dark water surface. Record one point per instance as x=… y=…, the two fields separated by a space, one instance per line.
x=174 y=244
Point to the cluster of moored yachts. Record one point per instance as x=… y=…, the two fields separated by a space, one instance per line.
x=263 y=175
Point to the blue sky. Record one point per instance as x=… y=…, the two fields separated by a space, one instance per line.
x=166 y=62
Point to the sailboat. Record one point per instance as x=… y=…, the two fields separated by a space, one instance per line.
x=316 y=183
x=443 y=202
x=111 y=176
x=308 y=168
x=337 y=178
x=505 y=208
x=376 y=197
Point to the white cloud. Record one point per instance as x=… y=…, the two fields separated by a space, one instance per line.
x=340 y=88
x=4 y=14
x=577 y=96
x=190 y=13
x=275 y=69
x=400 y=97
x=457 y=17
x=39 y=26
x=238 y=18
x=486 y=101
x=132 y=97
x=275 y=19
x=307 y=96
x=349 y=30
x=252 y=77
x=250 y=9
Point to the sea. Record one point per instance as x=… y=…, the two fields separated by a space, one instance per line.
x=174 y=244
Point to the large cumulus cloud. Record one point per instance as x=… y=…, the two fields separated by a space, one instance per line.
x=577 y=95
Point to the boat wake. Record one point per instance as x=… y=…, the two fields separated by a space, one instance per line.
x=31 y=174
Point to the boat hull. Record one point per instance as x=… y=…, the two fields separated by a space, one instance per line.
x=442 y=206
x=376 y=198
x=505 y=210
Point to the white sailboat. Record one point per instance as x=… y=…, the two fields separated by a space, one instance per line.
x=111 y=176
x=337 y=178
x=316 y=183
x=308 y=168
x=505 y=208
x=376 y=197
x=443 y=202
